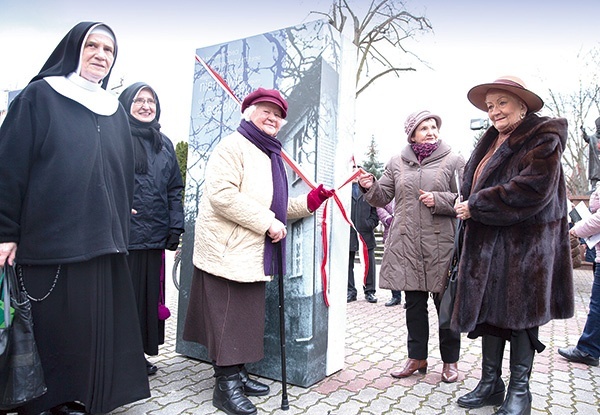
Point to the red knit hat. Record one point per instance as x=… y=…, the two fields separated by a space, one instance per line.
x=266 y=95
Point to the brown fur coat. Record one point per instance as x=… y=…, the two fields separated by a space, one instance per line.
x=515 y=270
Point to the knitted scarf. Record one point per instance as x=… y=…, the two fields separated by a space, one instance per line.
x=144 y=131
x=271 y=146
x=424 y=150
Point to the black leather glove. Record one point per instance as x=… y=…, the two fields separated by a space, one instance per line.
x=172 y=241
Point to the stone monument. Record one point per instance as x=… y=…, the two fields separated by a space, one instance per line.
x=313 y=66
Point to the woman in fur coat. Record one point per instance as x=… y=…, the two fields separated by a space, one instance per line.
x=515 y=271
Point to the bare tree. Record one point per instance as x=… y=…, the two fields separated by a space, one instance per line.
x=379 y=36
x=578 y=107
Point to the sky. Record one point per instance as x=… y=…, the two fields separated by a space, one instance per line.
x=472 y=42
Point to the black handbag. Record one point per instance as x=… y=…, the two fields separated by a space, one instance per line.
x=21 y=373
x=447 y=301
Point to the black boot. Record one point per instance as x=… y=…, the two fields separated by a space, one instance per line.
x=69 y=408
x=518 y=397
x=490 y=389
x=229 y=397
x=252 y=387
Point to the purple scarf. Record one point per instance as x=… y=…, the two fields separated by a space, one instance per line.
x=271 y=146
x=424 y=150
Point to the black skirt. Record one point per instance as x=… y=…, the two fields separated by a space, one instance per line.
x=145 y=266
x=227 y=317
x=88 y=335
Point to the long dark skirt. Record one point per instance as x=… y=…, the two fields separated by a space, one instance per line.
x=87 y=334
x=227 y=317
x=145 y=266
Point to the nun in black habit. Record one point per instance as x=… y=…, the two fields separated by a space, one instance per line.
x=66 y=162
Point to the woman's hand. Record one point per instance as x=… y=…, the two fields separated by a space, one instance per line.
x=366 y=180
x=427 y=198
x=8 y=250
x=317 y=196
x=462 y=210
x=277 y=231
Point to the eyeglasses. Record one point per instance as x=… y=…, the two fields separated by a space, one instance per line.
x=142 y=101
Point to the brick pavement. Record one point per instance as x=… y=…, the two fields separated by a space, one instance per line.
x=376 y=343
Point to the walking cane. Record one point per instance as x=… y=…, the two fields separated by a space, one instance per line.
x=285 y=405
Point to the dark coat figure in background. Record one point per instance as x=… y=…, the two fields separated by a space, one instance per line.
x=515 y=271
x=157 y=222
x=365 y=219
x=593 y=154
x=66 y=162
x=386 y=217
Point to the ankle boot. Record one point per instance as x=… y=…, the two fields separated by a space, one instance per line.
x=229 y=397
x=518 y=397
x=252 y=387
x=490 y=389
x=410 y=367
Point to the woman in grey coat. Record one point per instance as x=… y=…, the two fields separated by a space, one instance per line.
x=423 y=181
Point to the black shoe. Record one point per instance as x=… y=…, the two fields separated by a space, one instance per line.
x=573 y=354
x=370 y=297
x=253 y=387
x=69 y=408
x=393 y=301
x=228 y=396
x=350 y=298
x=151 y=368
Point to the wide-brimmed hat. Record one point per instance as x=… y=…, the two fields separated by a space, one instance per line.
x=511 y=84
x=266 y=95
x=416 y=118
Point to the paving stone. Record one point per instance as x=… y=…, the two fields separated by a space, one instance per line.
x=376 y=345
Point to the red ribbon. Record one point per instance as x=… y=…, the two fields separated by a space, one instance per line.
x=296 y=168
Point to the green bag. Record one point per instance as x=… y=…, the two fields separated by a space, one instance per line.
x=12 y=310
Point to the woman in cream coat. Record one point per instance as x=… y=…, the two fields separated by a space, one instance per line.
x=242 y=218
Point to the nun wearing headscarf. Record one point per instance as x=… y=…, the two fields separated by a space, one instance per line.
x=158 y=220
x=66 y=162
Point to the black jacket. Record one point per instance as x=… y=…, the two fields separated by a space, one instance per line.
x=365 y=219
x=66 y=178
x=157 y=199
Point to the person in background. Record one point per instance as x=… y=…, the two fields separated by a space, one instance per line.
x=422 y=179
x=157 y=222
x=587 y=350
x=365 y=219
x=386 y=217
x=594 y=205
x=66 y=162
x=240 y=228
x=593 y=154
x=515 y=271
